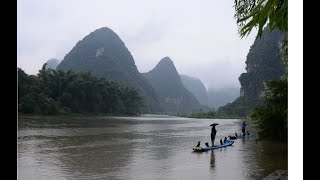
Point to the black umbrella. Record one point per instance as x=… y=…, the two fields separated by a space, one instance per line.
x=214 y=124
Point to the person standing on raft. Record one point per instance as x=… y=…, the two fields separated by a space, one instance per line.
x=243 y=128
x=213 y=132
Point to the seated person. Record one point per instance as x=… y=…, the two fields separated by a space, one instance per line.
x=207 y=144
x=221 y=142
x=233 y=137
x=198 y=145
x=225 y=139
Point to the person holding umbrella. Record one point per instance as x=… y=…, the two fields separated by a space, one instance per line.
x=213 y=132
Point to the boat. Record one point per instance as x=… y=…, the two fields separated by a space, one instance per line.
x=247 y=135
x=201 y=149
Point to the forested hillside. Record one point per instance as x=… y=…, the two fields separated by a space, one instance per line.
x=105 y=55
x=263 y=64
x=174 y=97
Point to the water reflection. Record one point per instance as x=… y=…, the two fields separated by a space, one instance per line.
x=212 y=160
x=271 y=156
x=87 y=156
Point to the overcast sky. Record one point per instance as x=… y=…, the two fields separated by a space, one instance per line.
x=199 y=36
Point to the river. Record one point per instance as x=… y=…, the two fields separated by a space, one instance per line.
x=144 y=147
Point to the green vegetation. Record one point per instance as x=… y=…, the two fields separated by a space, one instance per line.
x=253 y=13
x=272 y=116
x=58 y=92
x=241 y=107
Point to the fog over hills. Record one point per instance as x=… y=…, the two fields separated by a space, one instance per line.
x=174 y=97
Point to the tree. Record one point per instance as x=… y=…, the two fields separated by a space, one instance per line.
x=272 y=118
x=253 y=13
x=132 y=100
x=59 y=92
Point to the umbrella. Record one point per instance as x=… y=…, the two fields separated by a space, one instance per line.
x=214 y=124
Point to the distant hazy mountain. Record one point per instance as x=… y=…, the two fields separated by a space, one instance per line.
x=174 y=97
x=196 y=87
x=105 y=55
x=220 y=97
x=52 y=63
x=263 y=64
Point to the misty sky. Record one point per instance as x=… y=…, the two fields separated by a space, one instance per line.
x=201 y=38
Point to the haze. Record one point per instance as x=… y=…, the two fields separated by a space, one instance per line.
x=201 y=38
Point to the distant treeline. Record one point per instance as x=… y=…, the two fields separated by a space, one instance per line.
x=59 y=92
x=202 y=115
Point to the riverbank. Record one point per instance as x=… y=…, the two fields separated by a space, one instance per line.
x=80 y=115
x=204 y=116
